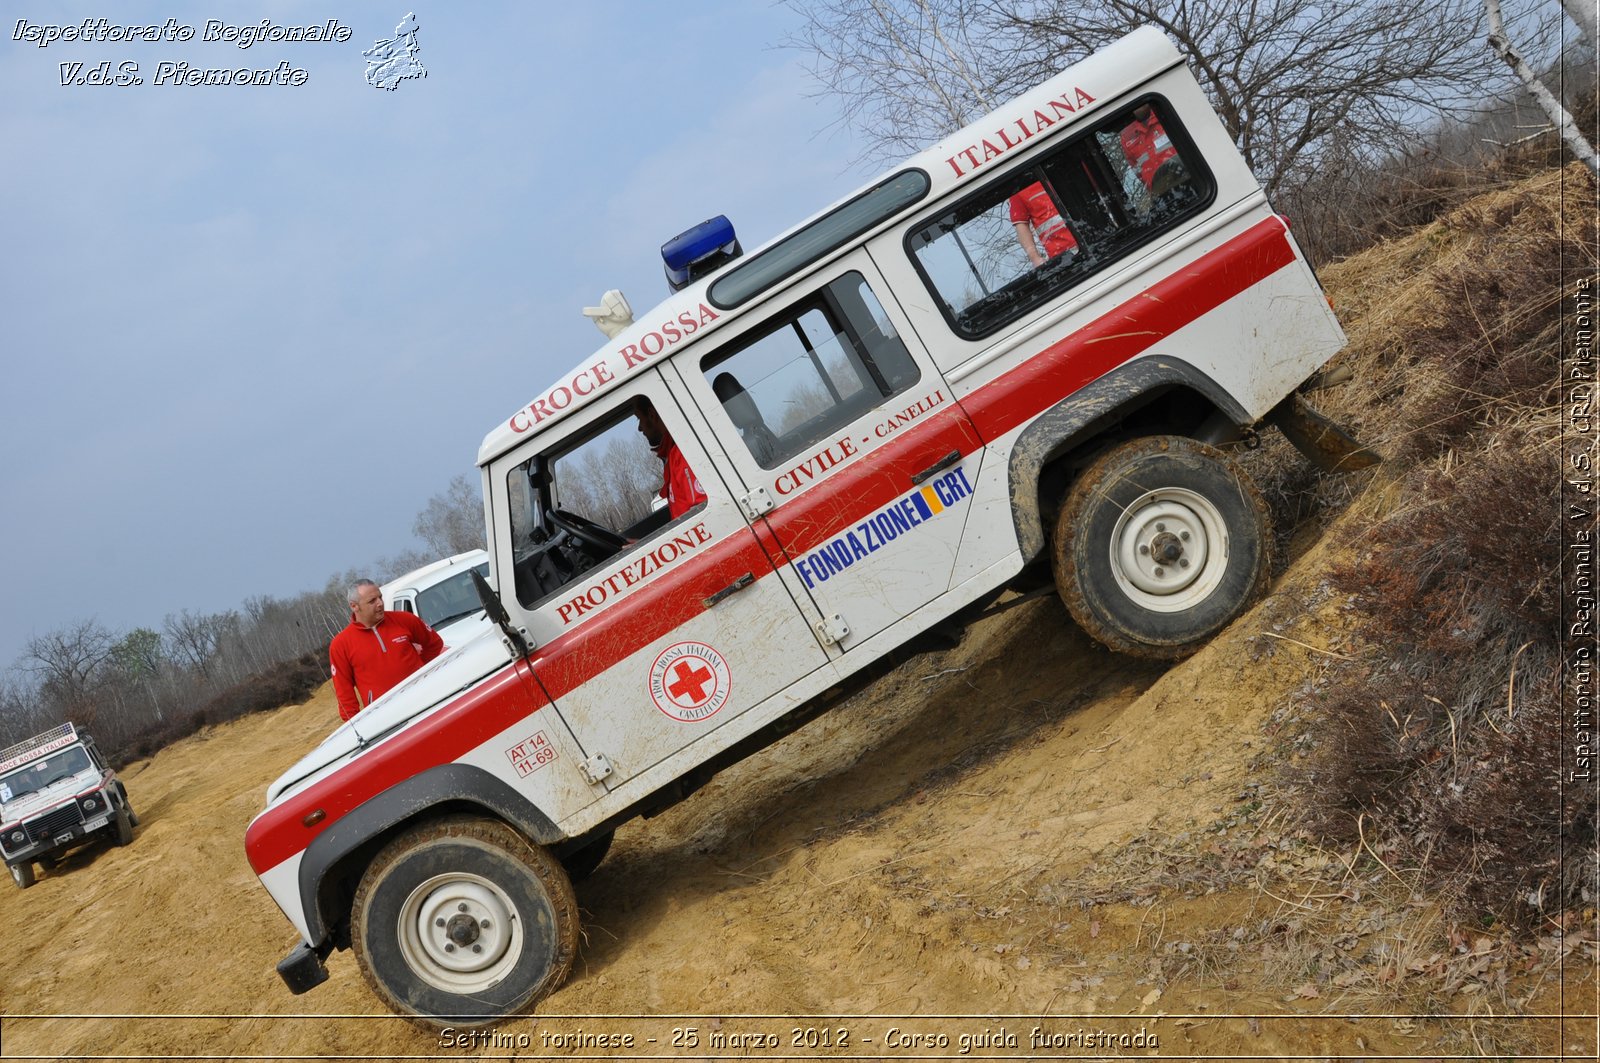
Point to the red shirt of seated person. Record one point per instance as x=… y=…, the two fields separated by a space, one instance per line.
x=682 y=488
x=1146 y=144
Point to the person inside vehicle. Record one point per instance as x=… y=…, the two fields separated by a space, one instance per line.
x=1041 y=230
x=1149 y=151
x=376 y=650
x=681 y=488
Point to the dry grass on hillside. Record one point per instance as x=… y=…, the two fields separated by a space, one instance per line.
x=1438 y=741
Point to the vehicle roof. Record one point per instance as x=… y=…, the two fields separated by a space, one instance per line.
x=420 y=579
x=58 y=737
x=950 y=163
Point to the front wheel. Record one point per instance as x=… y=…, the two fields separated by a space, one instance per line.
x=1162 y=542
x=125 y=826
x=22 y=874
x=463 y=922
x=133 y=817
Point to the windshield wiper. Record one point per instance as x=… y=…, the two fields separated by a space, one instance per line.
x=453 y=617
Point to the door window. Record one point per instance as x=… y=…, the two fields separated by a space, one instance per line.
x=817 y=367
x=576 y=507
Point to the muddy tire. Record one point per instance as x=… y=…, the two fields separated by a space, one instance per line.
x=581 y=863
x=22 y=875
x=133 y=817
x=1162 y=542
x=124 y=826
x=463 y=922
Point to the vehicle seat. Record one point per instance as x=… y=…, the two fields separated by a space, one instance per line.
x=742 y=411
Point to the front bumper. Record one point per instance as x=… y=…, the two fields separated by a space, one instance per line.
x=51 y=831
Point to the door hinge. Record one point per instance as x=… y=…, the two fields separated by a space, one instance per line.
x=832 y=630
x=756 y=502
x=517 y=641
x=597 y=768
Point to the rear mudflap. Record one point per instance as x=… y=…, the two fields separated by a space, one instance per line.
x=1325 y=443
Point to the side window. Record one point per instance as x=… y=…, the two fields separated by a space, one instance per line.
x=815 y=368
x=581 y=503
x=1032 y=234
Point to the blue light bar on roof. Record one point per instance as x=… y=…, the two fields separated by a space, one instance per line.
x=697 y=251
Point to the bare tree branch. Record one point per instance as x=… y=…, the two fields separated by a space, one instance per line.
x=1287 y=77
x=452 y=521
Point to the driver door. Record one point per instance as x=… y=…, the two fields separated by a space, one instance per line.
x=652 y=632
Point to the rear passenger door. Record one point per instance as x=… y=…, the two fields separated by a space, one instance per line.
x=848 y=443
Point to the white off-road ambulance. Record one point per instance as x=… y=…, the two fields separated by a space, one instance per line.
x=1019 y=356
x=57 y=793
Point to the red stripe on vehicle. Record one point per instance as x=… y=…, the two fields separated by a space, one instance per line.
x=661 y=606
x=879 y=477
x=1131 y=329
x=449 y=733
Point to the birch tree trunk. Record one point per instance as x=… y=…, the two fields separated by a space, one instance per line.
x=1584 y=13
x=1547 y=102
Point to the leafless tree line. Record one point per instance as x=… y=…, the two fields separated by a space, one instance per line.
x=118 y=685
x=124 y=685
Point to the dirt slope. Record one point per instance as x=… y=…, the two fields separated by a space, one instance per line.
x=1022 y=832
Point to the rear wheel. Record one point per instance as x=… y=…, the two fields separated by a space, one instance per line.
x=22 y=874
x=1162 y=542
x=463 y=922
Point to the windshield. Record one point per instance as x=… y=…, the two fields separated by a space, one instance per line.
x=41 y=773
x=456 y=597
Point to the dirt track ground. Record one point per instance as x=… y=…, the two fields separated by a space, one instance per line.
x=931 y=858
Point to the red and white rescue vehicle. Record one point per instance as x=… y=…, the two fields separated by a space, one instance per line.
x=57 y=793
x=893 y=415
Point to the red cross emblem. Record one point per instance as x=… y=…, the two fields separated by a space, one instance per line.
x=690 y=681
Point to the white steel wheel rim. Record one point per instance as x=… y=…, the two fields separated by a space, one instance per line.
x=460 y=933
x=1169 y=550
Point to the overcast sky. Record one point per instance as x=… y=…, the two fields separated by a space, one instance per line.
x=250 y=331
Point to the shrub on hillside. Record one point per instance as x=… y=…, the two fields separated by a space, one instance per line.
x=1446 y=744
x=1440 y=742
x=288 y=683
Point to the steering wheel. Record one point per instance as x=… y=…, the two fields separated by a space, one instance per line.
x=587 y=531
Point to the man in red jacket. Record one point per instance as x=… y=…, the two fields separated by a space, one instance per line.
x=377 y=650
x=1148 y=149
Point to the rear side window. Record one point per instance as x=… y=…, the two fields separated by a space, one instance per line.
x=1029 y=236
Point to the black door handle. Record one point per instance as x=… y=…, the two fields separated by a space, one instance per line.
x=952 y=458
x=731 y=589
